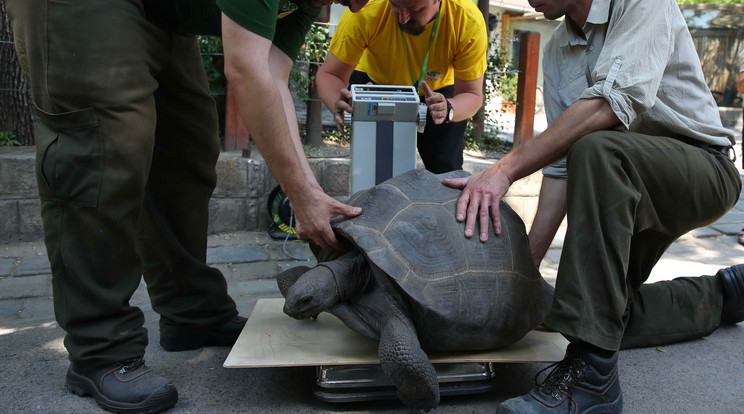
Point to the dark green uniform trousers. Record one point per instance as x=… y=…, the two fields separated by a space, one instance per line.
x=629 y=197
x=126 y=138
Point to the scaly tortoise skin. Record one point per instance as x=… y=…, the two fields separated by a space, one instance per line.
x=412 y=280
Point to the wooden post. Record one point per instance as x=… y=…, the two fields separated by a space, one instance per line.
x=236 y=134
x=529 y=59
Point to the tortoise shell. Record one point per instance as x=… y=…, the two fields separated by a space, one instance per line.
x=464 y=294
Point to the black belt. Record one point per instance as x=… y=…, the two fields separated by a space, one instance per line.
x=723 y=149
x=727 y=151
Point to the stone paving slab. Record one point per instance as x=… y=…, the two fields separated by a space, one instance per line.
x=235 y=254
x=7 y=264
x=8 y=310
x=25 y=287
x=292 y=250
x=37 y=309
x=33 y=265
x=733 y=216
x=728 y=228
x=705 y=232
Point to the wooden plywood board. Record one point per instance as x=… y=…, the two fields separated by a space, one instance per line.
x=273 y=339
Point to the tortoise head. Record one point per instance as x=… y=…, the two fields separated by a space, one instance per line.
x=314 y=292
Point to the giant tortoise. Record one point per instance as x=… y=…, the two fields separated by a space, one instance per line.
x=412 y=280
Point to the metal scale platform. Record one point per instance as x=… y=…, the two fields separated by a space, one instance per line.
x=353 y=383
x=348 y=365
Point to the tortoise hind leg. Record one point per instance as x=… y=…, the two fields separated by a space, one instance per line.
x=407 y=365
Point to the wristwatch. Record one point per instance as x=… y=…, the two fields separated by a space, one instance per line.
x=450 y=113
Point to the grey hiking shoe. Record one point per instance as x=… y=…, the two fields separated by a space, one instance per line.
x=584 y=382
x=125 y=387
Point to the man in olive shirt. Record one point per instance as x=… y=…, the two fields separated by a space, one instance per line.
x=126 y=137
x=646 y=162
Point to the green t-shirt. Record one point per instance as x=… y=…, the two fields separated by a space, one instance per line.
x=287 y=30
x=284 y=22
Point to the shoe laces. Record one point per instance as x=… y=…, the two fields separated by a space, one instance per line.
x=131 y=365
x=563 y=376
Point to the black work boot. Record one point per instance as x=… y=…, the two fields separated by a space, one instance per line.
x=221 y=335
x=584 y=382
x=125 y=387
x=732 y=279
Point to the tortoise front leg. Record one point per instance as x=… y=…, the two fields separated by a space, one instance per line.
x=406 y=363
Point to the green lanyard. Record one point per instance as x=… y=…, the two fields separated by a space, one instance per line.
x=417 y=84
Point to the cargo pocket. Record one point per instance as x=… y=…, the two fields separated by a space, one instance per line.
x=69 y=156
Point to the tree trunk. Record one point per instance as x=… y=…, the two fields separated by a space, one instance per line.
x=15 y=100
x=314 y=119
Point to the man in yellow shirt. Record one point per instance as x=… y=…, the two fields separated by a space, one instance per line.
x=438 y=46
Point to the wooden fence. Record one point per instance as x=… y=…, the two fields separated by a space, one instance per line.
x=718 y=51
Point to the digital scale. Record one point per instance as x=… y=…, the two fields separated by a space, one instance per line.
x=384 y=124
x=348 y=366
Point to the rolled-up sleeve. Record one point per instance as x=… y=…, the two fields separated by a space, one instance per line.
x=633 y=59
x=553 y=106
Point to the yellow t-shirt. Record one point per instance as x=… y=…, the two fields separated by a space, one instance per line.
x=371 y=40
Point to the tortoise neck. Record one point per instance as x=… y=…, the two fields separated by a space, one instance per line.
x=351 y=273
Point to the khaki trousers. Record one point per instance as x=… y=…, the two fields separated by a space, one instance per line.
x=126 y=138
x=629 y=197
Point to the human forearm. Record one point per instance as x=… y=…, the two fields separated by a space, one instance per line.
x=483 y=192
x=465 y=105
x=740 y=83
x=258 y=73
x=281 y=65
x=259 y=99
x=468 y=98
x=331 y=81
x=329 y=88
x=551 y=209
x=581 y=118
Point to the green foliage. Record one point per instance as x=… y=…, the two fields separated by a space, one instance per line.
x=214 y=65
x=490 y=142
x=500 y=80
x=316 y=44
x=214 y=62
x=314 y=50
x=508 y=86
x=500 y=68
x=7 y=139
x=334 y=135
